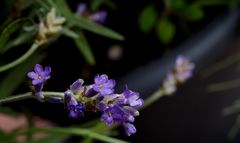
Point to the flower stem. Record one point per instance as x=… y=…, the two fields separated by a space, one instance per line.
x=28 y=95
x=20 y=59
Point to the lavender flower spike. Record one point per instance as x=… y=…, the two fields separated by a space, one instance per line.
x=103 y=85
x=39 y=77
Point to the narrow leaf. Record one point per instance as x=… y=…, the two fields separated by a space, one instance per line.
x=84 y=48
x=84 y=23
x=10 y=29
x=70 y=33
x=147 y=18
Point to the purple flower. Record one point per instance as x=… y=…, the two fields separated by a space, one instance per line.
x=99 y=16
x=133 y=98
x=103 y=85
x=77 y=87
x=129 y=129
x=112 y=115
x=81 y=9
x=39 y=77
x=183 y=68
x=75 y=108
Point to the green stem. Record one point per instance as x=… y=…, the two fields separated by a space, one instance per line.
x=221 y=86
x=76 y=131
x=221 y=65
x=28 y=95
x=20 y=59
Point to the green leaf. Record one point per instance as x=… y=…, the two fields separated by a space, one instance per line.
x=165 y=30
x=83 y=23
x=75 y=131
x=70 y=33
x=147 y=18
x=10 y=29
x=95 y=4
x=49 y=139
x=178 y=4
x=15 y=77
x=84 y=48
x=25 y=37
x=193 y=13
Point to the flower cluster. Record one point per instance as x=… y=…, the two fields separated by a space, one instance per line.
x=99 y=16
x=182 y=71
x=50 y=26
x=98 y=97
x=39 y=76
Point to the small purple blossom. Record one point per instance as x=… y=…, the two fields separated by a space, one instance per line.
x=75 y=108
x=81 y=9
x=98 y=16
x=133 y=98
x=129 y=129
x=103 y=85
x=183 y=68
x=77 y=86
x=39 y=77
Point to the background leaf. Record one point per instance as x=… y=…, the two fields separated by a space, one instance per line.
x=193 y=12
x=165 y=30
x=10 y=29
x=83 y=23
x=147 y=18
x=178 y=4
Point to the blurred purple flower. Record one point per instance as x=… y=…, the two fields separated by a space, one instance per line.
x=98 y=16
x=81 y=9
x=183 y=68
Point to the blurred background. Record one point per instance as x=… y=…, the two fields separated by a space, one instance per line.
x=204 y=109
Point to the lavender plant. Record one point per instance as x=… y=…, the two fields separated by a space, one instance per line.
x=100 y=97
x=115 y=109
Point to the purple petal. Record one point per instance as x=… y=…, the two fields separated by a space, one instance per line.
x=32 y=75
x=110 y=83
x=77 y=85
x=47 y=70
x=38 y=68
x=36 y=81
